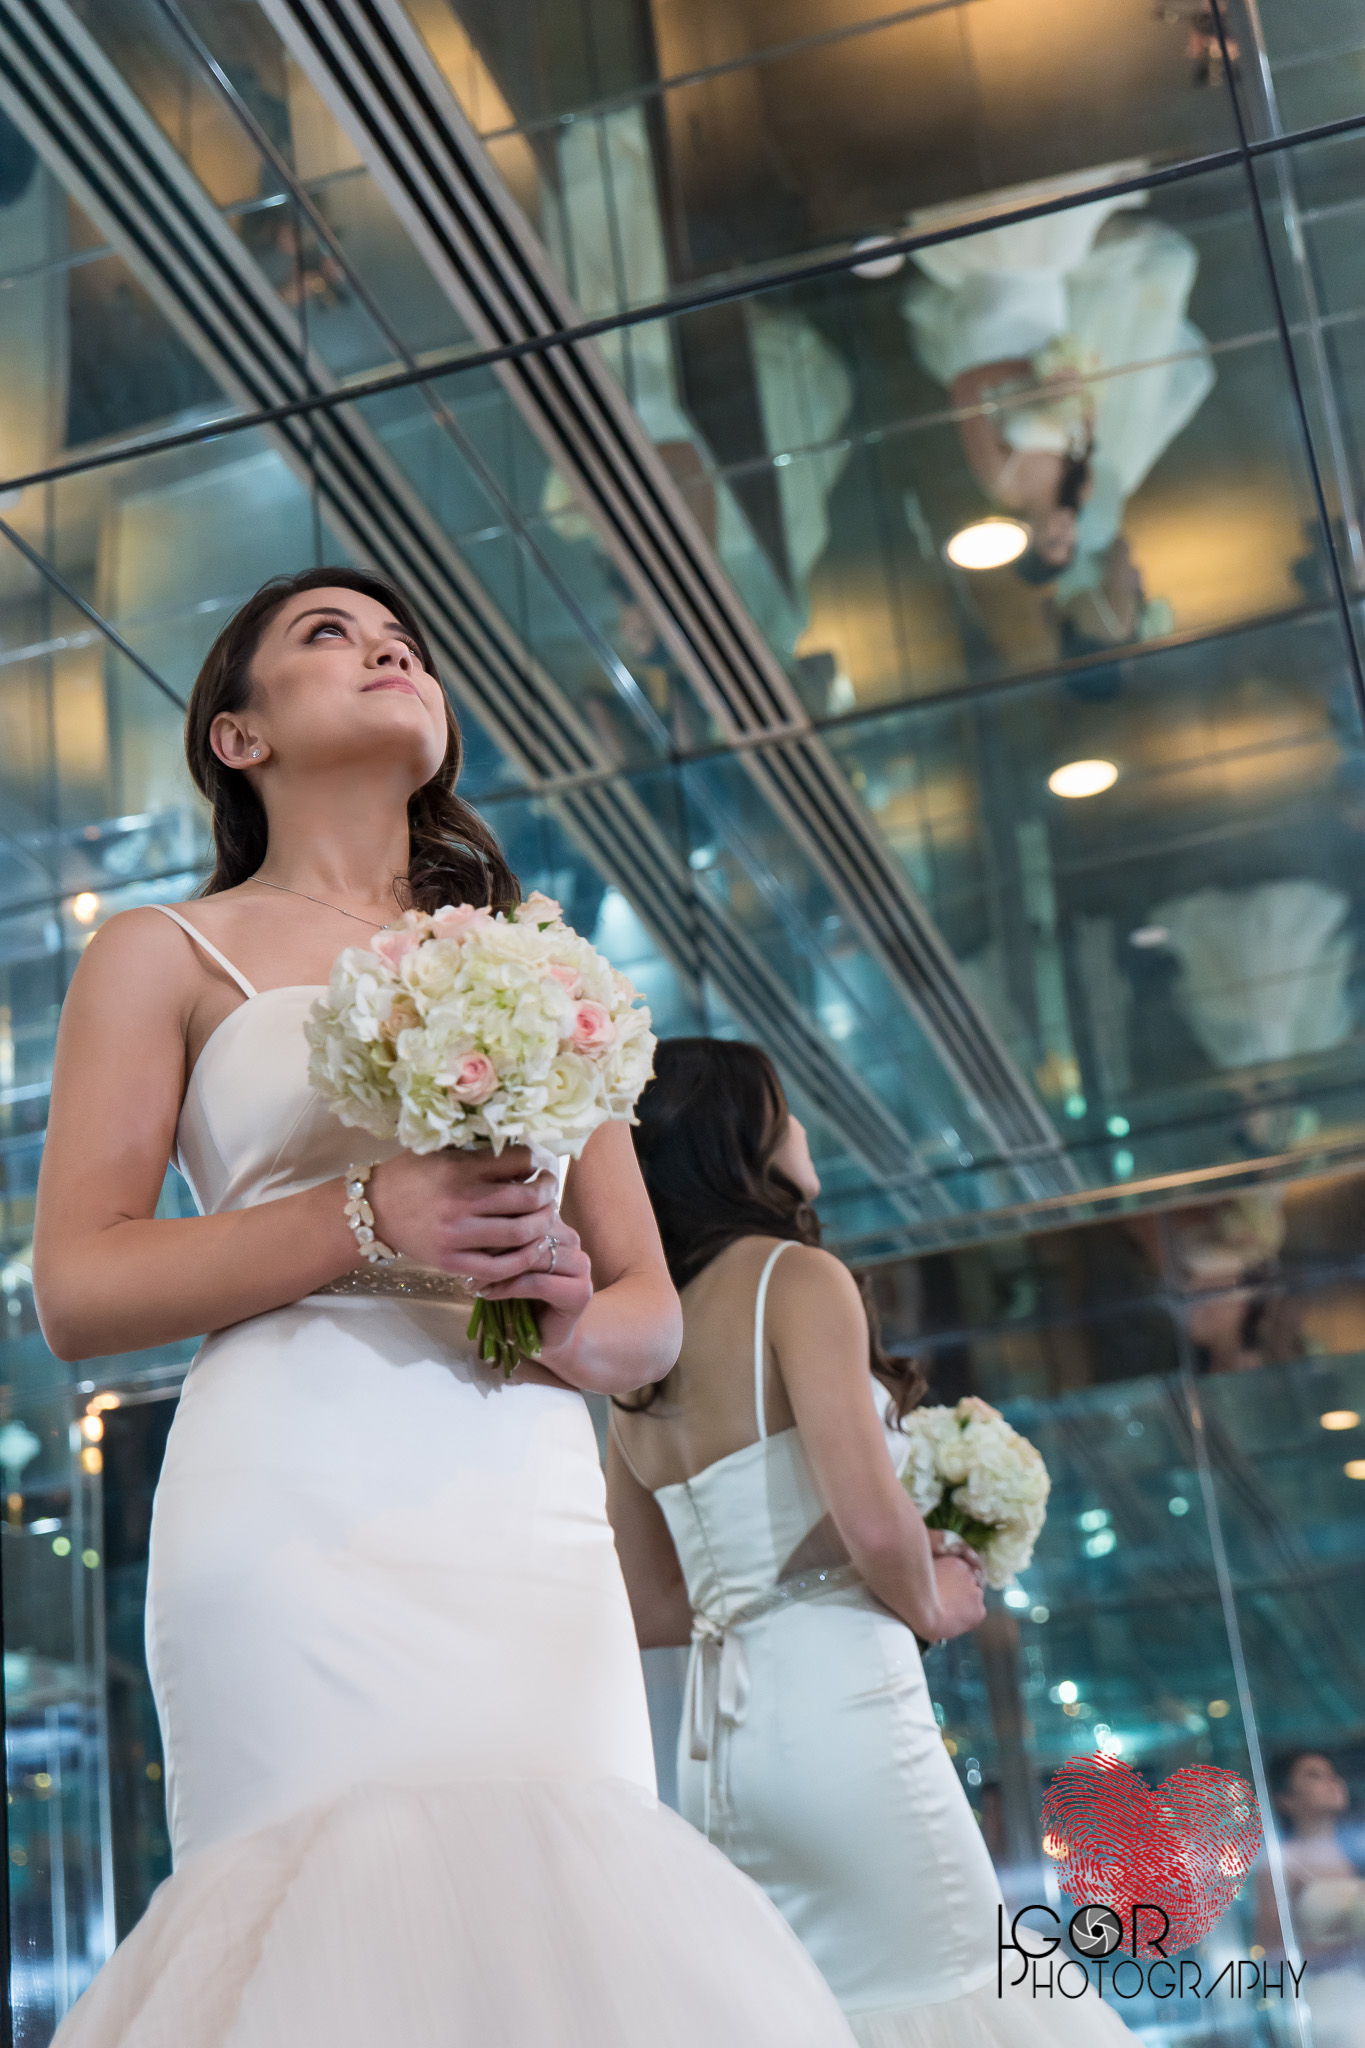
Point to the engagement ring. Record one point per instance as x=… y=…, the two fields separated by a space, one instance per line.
x=552 y=1244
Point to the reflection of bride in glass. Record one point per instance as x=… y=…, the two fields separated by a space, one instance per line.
x=1063 y=342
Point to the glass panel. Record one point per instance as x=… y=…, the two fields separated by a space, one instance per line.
x=167 y=546
x=465 y=448
x=1104 y=384
x=362 y=295
x=87 y=353
x=1163 y=1004
x=1287 y=1470
x=1313 y=207
x=1111 y=1642
x=751 y=133
x=1299 y=65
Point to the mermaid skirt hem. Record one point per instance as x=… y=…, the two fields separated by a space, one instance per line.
x=471 y=1915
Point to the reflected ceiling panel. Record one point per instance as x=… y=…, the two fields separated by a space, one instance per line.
x=1041 y=879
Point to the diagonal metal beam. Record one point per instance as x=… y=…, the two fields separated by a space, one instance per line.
x=376 y=74
x=99 y=142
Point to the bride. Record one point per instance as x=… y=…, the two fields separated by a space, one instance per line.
x=409 y=1774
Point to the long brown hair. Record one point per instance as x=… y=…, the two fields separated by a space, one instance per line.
x=710 y=1125
x=453 y=857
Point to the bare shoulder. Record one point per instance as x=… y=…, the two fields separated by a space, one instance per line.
x=808 y=1281
x=139 y=954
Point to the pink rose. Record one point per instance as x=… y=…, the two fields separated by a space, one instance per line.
x=453 y=920
x=570 y=980
x=592 y=1028
x=393 y=946
x=474 y=1079
x=539 y=909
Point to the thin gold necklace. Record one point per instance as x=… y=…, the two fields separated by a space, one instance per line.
x=354 y=915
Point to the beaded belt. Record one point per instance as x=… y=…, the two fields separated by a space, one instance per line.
x=718 y=1680
x=414 y=1282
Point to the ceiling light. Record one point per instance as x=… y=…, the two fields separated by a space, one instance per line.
x=85 y=907
x=1339 y=1418
x=1082 y=778
x=1354 y=1468
x=877 y=266
x=1149 y=935
x=987 y=544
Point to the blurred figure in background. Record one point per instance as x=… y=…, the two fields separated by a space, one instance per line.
x=1323 y=1874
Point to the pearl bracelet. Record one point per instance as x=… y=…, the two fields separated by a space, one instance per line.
x=360 y=1216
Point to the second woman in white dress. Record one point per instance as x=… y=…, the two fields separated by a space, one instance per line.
x=758 y=1511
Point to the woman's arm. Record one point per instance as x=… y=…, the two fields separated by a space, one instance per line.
x=983 y=442
x=649 y=1563
x=610 y=1319
x=111 y=1276
x=818 y=1328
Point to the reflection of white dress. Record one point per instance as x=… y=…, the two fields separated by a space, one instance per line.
x=1263 y=970
x=809 y=1752
x=409 y=1772
x=1119 y=295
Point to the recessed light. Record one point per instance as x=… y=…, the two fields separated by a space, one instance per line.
x=85 y=907
x=987 y=544
x=1082 y=778
x=1340 y=1418
x=1354 y=1468
x=1149 y=935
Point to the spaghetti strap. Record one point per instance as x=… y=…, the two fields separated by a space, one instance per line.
x=614 y=1433
x=760 y=1305
x=174 y=915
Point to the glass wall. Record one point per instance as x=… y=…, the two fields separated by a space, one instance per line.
x=885 y=487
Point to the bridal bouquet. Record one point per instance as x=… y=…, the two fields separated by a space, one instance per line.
x=970 y=1472
x=469 y=1027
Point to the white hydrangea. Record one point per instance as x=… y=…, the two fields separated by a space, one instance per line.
x=969 y=1470
x=469 y=1028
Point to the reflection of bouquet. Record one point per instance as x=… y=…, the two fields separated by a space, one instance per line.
x=970 y=1472
x=469 y=1028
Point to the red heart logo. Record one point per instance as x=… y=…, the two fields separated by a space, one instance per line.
x=1188 y=1847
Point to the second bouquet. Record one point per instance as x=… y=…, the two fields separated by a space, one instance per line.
x=468 y=1027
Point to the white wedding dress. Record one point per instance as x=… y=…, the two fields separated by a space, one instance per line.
x=409 y=1773
x=809 y=1752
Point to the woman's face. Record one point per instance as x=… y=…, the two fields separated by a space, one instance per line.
x=792 y=1157
x=1054 y=534
x=336 y=682
x=1316 y=1791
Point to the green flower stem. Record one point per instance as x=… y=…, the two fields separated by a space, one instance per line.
x=946 y=1516
x=505 y=1333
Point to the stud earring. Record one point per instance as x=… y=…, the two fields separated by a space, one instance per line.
x=255 y=753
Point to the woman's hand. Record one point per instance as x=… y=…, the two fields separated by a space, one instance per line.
x=473 y=1214
x=559 y=1278
x=961 y=1600
x=947 y=1543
